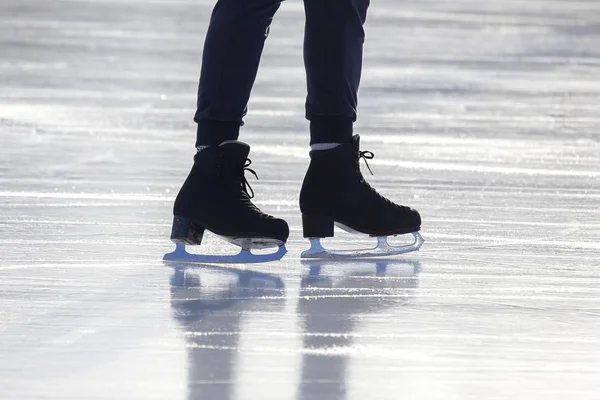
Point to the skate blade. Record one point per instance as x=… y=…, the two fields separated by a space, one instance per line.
x=382 y=249
x=253 y=243
x=243 y=257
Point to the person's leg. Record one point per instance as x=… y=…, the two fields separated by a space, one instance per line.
x=216 y=195
x=334 y=189
x=232 y=51
x=333 y=52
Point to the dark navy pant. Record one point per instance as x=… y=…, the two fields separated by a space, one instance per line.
x=333 y=52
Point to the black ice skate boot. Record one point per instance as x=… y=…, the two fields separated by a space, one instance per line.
x=335 y=192
x=216 y=197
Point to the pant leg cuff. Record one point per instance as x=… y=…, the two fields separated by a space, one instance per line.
x=213 y=133
x=331 y=129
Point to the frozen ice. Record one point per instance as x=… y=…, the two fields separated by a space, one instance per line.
x=483 y=115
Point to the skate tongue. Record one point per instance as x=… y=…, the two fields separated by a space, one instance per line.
x=235 y=143
x=236 y=150
x=356 y=141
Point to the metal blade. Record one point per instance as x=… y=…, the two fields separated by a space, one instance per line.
x=382 y=249
x=243 y=257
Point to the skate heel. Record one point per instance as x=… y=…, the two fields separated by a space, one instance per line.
x=317 y=226
x=185 y=232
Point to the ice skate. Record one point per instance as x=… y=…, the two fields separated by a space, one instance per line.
x=334 y=192
x=216 y=197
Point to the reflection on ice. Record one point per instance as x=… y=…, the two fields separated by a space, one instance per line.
x=209 y=303
x=333 y=298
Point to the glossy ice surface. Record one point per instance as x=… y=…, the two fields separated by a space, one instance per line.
x=484 y=115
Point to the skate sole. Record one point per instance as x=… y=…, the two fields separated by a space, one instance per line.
x=316 y=226
x=187 y=232
x=390 y=233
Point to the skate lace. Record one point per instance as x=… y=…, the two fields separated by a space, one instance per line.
x=246 y=188
x=368 y=155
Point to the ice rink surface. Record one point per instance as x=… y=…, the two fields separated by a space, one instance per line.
x=482 y=115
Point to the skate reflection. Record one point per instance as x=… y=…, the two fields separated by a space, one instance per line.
x=208 y=302
x=333 y=299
